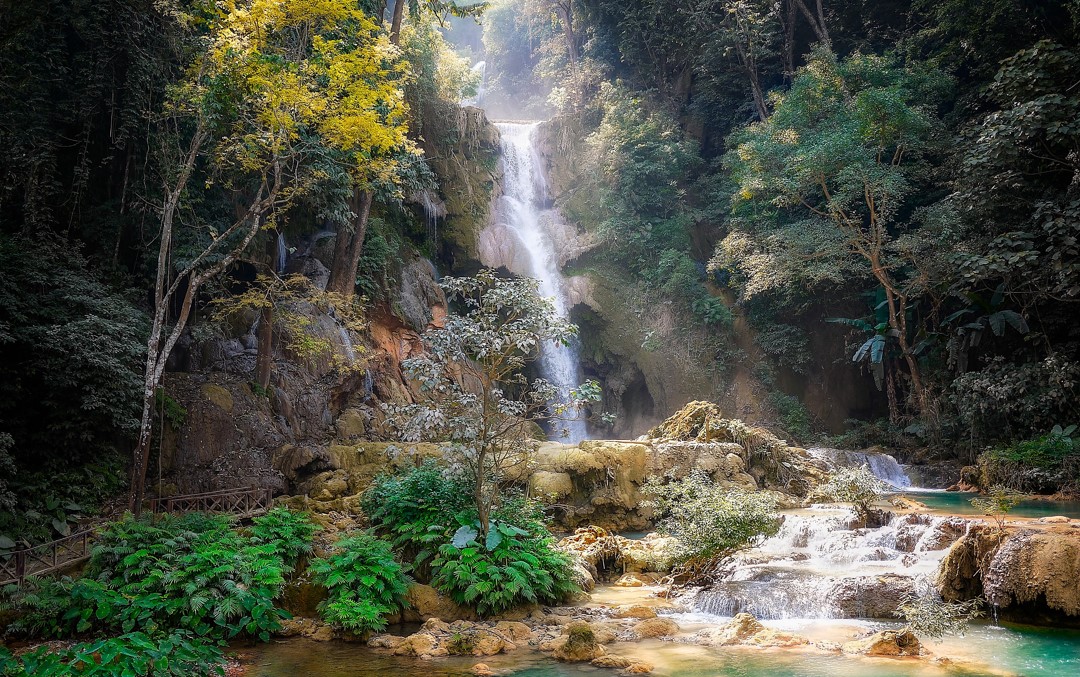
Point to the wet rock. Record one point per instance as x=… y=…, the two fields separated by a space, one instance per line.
x=885 y=643
x=638 y=580
x=639 y=668
x=870 y=596
x=639 y=611
x=579 y=645
x=654 y=553
x=482 y=670
x=385 y=642
x=419 y=644
x=306 y=627
x=655 y=627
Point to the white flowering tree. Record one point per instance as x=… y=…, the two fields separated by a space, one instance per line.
x=478 y=400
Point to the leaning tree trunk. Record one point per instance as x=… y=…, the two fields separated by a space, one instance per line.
x=348 y=248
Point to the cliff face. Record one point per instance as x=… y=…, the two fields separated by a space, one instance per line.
x=1028 y=574
x=234 y=435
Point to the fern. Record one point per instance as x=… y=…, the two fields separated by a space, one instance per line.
x=364 y=583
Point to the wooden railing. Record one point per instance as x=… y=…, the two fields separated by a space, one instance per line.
x=49 y=557
x=242 y=502
x=46 y=558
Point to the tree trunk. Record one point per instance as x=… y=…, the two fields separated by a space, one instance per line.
x=264 y=359
x=565 y=12
x=789 y=40
x=347 y=249
x=395 y=22
x=750 y=65
x=817 y=23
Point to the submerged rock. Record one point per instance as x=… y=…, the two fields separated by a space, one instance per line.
x=886 y=643
x=655 y=627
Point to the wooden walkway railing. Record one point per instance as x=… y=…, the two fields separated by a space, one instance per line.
x=45 y=558
x=241 y=502
x=48 y=558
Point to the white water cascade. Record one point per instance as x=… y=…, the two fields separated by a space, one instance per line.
x=884 y=466
x=522 y=209
x=824 y=564
x=479 y=68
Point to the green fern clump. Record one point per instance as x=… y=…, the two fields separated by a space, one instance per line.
x=364 y=583
x=512 y=567
x=289 y=532
x=415 y=510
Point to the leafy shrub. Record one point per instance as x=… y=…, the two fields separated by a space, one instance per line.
x=710 y=522
x=288 y=532
x=193 y=572
x=513 y=566
x=135 y=654
x=930 y=616
x=416 y=509
x=364 y=582
x=858 y=486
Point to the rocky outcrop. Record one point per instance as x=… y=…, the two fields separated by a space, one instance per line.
x=580 y=644
x=1028 y=574
x=745 y=630
x=601 y=555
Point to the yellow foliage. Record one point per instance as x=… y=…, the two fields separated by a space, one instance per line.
x=284 y=78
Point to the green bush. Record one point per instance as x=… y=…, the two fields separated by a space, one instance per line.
x=1045 y=463
x=192 y=572
x=512 y=567
x=858 y=486
x=135 y=654
x=364 y=582
x=710 y=522
x=415 y=510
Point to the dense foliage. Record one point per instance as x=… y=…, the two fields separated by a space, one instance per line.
x=193 y=572
x=428 y=514
x=178 y=654
x=364 y=583
x=857 y=485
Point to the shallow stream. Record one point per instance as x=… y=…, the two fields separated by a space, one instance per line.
x=1013 y=650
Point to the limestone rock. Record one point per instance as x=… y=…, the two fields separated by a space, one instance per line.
x=612 y=661
x=351 y=425
x=655 y=627
x=885 y=643
x=419 y=644
x=580 y=644
x=482 y=670
x=639 y=668
x=639 y=611
x=515 y=631
x=385 y=642
x=550 y=486
x=736 y=631
x=430 y=603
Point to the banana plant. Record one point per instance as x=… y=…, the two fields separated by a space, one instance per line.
x=872 y=350
x=970 y=323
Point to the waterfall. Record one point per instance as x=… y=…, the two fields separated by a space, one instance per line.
x=884 y=466
x=282 y=253
x=346 y=342
x=522 y=209
x=478 y=100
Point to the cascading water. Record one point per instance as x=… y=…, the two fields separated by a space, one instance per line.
x=521 y=208
x=282 y=253
x=480 y=68
x=884 y=466
x=822 y=564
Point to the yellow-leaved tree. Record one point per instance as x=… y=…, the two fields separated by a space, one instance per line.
x=277 y=96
